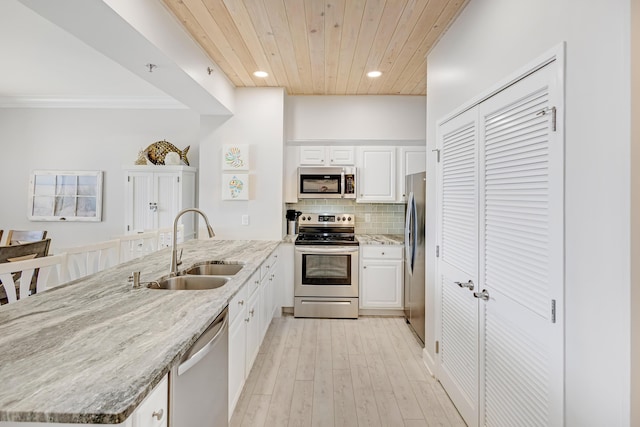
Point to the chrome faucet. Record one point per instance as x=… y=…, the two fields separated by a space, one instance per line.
x=173 y=269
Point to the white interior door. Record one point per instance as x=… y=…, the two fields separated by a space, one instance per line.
x=521 y=248
x=458 y=267
x=501 y=225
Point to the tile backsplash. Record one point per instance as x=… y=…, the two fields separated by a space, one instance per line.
x=384 y=218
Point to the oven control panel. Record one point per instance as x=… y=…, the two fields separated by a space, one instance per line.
x=344 y=219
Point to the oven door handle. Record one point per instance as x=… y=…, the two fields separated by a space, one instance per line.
x=323 y=250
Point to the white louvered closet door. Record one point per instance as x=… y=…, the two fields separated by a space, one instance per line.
x=458 y=267
x=521 y=254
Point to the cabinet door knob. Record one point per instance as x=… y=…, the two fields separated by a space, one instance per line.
x=364 y=266
x=158 y=414
x=241 y=302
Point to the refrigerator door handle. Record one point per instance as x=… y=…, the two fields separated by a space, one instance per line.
x=409 y=232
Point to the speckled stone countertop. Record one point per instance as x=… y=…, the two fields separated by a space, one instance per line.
x=380 y=239
x=90 y=351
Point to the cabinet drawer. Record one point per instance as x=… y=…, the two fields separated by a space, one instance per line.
x=238 y=303
x=382 y=251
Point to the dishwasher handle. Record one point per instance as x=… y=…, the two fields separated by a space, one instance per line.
x=205 y=343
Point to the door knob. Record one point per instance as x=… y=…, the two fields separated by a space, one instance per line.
x=468 y=285
x=484 y=295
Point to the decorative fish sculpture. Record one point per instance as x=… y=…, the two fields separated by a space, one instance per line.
x=158 y=150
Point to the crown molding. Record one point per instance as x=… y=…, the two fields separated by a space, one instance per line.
x=136 y=103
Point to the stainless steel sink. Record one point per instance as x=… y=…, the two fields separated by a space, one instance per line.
x=189 y=283
x=213 y=268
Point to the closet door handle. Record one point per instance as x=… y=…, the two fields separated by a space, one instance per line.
x=484 y=295
x=468 y=285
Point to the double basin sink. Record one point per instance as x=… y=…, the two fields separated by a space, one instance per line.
x=202 y=276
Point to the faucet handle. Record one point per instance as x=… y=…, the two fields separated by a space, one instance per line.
x=180 y=257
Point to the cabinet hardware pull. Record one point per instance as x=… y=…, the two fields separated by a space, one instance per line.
x=158 y=414
x=468 y=285
x=251 y=312
x=241 y=302
x=246 y=320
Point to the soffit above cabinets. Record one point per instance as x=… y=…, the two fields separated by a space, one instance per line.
x=320 y=47
x=42 y=62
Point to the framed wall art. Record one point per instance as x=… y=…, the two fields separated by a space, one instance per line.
x=65 y=196
x=235 y=186
x=235 y=157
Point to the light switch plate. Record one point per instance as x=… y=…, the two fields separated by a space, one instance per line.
x=245 y=219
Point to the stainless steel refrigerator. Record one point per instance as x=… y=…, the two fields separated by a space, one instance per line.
x=414 y=259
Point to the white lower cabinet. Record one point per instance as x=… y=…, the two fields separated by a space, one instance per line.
x=244 y=336
x=237 y=344
x=153 y=411
x=381 y=277
x=250 y=313
x=253 y=327
x=265 y=304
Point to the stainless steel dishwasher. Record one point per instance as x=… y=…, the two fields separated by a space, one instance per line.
x=198 y=385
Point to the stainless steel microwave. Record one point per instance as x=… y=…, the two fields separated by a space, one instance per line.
x=326 y=183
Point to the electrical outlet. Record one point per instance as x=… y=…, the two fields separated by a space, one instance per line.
x=367 y=217
x=245 y=219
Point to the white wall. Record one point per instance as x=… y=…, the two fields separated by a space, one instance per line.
x=371 y=117
x=81 y=139
x=257 y=121
x=492 y=39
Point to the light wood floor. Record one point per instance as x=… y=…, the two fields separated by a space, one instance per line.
x=334 y=372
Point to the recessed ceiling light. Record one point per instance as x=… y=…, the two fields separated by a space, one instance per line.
x=374 y=73
x=261 y=74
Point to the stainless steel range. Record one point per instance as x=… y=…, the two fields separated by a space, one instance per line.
x=326 y=266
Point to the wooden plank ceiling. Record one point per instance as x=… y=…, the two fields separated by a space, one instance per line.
x=320 y=47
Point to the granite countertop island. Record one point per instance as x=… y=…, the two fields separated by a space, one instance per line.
x=91 y=350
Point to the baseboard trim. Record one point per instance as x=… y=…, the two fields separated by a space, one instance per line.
x=384 y=312
x=429 y=362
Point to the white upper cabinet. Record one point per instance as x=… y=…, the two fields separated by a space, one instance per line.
x=376 y=174
x=312 y=156
x=339 y=155
x=321 y=155
x=411 y=159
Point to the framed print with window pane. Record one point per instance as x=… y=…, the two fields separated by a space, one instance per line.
x=65 y=196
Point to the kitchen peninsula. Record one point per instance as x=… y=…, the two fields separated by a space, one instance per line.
x=90 y=351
